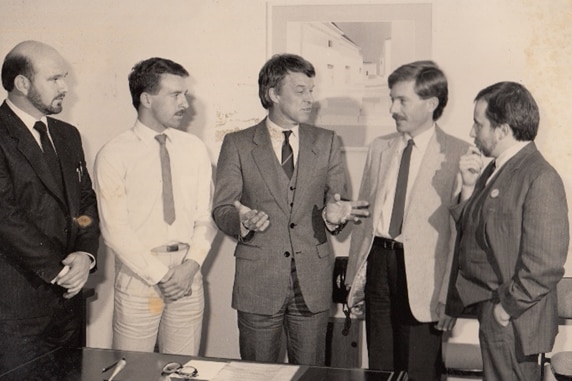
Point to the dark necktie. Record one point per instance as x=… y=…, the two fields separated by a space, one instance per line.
x=49 y=153
x=168 y=200
x=400 y=191
x=482 y=181
x=287 y=155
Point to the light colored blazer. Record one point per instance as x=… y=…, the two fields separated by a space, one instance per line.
x=428 y=232
x=525 y=225
x=248 y=170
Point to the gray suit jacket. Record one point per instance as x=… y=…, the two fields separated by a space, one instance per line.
x=428 y=232
x=248 y=170
x=524 y=237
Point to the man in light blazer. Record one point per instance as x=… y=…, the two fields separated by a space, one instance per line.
x=398 y=260
x=49 y=231
x=514 y=235
x=273 y=183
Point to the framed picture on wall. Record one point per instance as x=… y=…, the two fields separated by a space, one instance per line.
x=353 y=47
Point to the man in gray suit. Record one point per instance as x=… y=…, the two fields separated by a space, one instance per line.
x=513 y=227
x=399 y=257
x=279 y=189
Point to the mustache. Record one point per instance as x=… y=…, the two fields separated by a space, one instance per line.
x=398 y=117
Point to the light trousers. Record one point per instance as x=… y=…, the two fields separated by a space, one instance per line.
x=142 y=318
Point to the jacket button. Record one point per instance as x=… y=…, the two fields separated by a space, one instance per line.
x=292 y=225
x=286 y=254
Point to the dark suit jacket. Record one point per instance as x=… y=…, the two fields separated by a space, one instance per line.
x=248 y=170
x=38 y=222
x=523 y=235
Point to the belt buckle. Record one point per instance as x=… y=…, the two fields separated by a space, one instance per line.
x=171 y=247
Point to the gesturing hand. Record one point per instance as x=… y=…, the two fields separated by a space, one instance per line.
x=252 y=219
x=340 y=211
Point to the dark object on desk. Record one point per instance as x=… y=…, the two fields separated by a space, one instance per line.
x=85 y=364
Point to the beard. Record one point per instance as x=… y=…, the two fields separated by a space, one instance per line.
x=48 y=109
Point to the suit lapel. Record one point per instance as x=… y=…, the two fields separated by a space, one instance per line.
x=68 y=164
x=380 y=188
x=307 y=154
x=430 y=165
x=272 y=174
x=29 y=147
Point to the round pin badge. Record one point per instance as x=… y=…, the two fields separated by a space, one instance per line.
x=495 y=193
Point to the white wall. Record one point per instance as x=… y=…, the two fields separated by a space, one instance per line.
x=223 y=45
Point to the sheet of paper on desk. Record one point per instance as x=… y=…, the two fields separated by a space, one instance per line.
x=207 y=369
x=247 y=371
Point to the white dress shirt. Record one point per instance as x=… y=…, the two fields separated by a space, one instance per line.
x=128 y=182
x=421 y=142
x=30 y=121
x=508 y=154
x=277 y=139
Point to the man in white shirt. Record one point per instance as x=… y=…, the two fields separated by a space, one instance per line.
x=399 y=258
x=154 y=186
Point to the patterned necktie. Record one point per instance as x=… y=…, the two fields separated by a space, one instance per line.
x=287 y=155
x=168 y=201
x=49 y=153
x=400 y=191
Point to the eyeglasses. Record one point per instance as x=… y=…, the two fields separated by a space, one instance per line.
x=186 y=371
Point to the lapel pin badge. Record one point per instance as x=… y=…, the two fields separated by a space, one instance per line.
x=495 y=193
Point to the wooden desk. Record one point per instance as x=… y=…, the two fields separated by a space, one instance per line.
x=86 y=364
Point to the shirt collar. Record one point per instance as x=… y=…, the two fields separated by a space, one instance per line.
x=147 y=134
x=26 y=118
x=276 y=131
x=422 y=140
x=509 y=153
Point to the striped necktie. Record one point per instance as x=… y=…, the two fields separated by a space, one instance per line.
x=287 y=155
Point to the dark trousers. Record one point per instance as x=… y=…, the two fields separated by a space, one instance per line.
x=502 y=357
x=22 y=340
x=395 y=339
x=260 y=335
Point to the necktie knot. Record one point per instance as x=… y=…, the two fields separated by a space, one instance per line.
x=40 y=127
x=287 y=136
x=161 y=138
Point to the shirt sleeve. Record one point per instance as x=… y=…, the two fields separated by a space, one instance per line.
x=204 y=229
x=114 y=220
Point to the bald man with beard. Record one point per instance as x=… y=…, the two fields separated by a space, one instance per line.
x=49 y=231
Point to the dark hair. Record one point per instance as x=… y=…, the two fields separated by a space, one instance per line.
x=430 y=81
x=146 y=76
x=274 y=71
x=511 y=103
x=16 y=64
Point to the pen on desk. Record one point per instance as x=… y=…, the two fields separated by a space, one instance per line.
x=112 y=365
x=118 y=368
x=109 y=367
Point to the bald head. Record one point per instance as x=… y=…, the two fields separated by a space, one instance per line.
x=33 y=73
x=23 y=59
